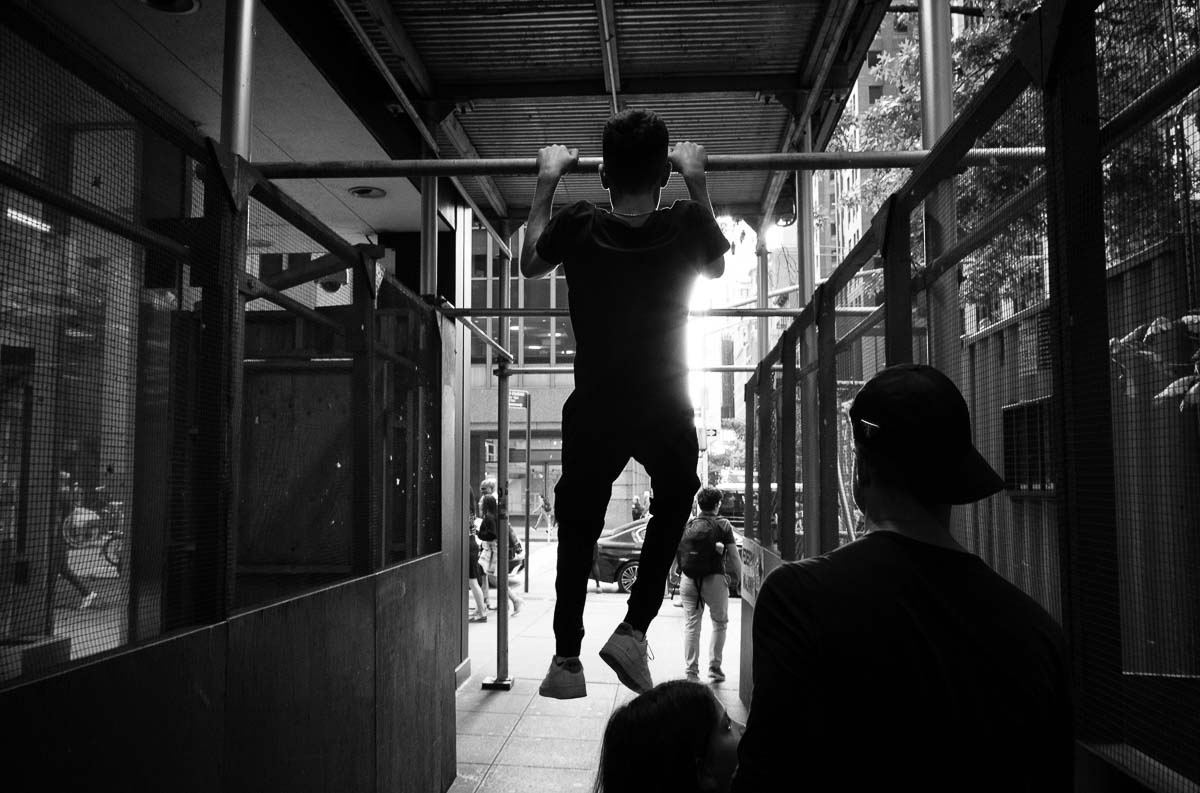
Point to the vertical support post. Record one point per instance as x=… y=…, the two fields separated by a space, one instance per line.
x=429 y=235
x=809 y=442
x=764 y=345
x=749 y=520
x=1082 y=396
x=765 y=381
x=897 y=284
x=827 y=416
x=506 y=299
x=787 y=449
x=236 y=76
x=937 y=113
x=805 y=238
x=223 y=314
x=501 y=681
x=365 y=543
x=528 y=478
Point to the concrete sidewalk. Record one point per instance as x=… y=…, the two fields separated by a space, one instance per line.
x=518 y=741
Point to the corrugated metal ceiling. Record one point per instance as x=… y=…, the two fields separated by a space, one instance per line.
x=524 y=73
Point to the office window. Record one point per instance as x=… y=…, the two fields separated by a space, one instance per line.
x=873 y=58
x=874 y=93
x=564 y=342
x=536 y=341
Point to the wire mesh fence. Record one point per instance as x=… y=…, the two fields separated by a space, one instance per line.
x=994 y=305
x=139 y=423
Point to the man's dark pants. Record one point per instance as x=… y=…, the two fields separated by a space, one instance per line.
x=598 y=440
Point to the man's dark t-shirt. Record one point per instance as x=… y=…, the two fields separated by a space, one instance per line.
x=629 y=281
x=892 y=664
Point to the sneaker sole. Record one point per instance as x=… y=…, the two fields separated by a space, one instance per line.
x=563 y=692
x=615 y=662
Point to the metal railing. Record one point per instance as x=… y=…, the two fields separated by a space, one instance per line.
x=1063 y=535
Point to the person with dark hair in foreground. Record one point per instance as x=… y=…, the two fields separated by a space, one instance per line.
x=957 y=678
x=650 y=257
x=674 y=738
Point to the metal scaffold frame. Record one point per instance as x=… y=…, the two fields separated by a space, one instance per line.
x=527 y=166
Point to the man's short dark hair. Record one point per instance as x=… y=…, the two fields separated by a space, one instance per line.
x=635 y=149
x=709 y=498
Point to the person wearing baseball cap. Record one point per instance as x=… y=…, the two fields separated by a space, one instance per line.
x=901 y=660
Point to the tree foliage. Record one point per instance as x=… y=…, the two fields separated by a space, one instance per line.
x=1149 y=183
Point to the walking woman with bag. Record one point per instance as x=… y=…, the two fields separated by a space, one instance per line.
x=487 y=532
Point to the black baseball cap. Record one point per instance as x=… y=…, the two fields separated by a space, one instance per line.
x=916 y=416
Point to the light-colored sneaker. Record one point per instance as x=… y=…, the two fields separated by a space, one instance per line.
x=88 y=600
x=627 y=655
x=716 y=674
x=564 y=679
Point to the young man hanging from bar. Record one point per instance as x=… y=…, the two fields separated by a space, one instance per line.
x=630 y=271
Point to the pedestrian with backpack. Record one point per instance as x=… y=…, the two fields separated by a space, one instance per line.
x=708 y=542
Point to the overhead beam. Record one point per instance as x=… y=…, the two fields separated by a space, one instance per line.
x=745 y=210
x=527 y=166
x=414 y=70
x=723 y=83
x=608 y=52
x=822 y=73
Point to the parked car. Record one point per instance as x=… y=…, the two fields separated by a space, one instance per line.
x=621 y=550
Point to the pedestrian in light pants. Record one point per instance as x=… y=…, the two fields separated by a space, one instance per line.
x=711 y=591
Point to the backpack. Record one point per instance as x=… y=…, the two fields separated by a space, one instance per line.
x=698 y=555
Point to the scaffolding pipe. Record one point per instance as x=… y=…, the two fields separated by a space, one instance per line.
x=237 y=74
x=528 y=477
x=527 y=166
x=937 y=114
x=722 y=369
x=429 y=235
x=562 y=312
x=502 y=681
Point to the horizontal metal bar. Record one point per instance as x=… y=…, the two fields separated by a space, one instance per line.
x=1169 y=91
x=463 y=315
x=73 y=205
x=1156 y=100
x=570 y=369
x=298 y=216
x=984 y=232
x=318 y=267
x=953 y=149
x=858 y=257
x=861 y=329
x=514 y=313
x=491 y=93
x=253 y=287
x=527 y=166
x=478 y=216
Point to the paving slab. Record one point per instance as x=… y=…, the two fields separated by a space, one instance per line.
x=518 y=741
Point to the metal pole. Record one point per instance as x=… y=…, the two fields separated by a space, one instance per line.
x=805 y=241
x=937 y=113
x=827 y=417
x=501 y=681
x=937 y=76
x=763 y=288
x=527 y=166
x=528 y=477
x=429 y=229
x=562 y=312
x=235 y=80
